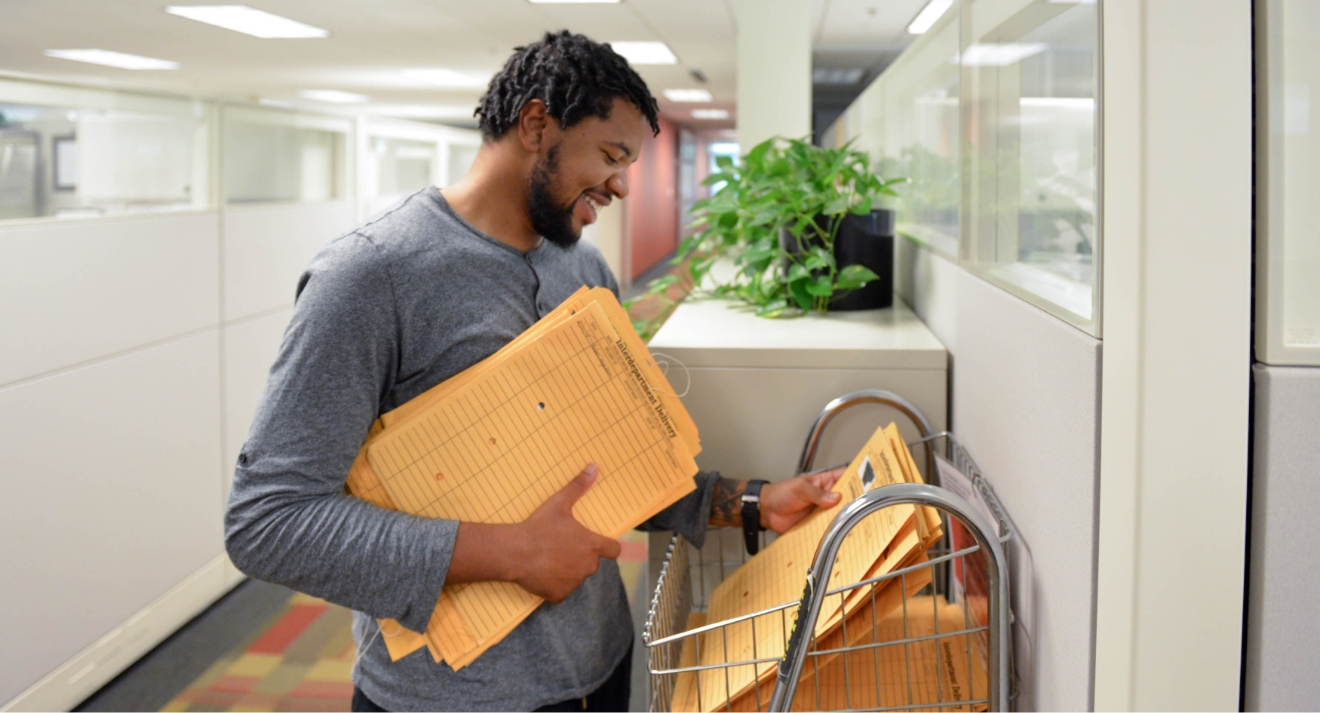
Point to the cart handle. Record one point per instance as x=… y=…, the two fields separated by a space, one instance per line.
x=868 y=396
x=790 y=668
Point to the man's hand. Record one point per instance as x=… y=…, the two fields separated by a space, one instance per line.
x=549 y=554
x=785 y=503
x=557 y=552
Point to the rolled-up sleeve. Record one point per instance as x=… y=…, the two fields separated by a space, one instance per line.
x=690 y=516
x=289 y=520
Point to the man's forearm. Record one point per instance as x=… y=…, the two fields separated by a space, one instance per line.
x=726 y=502
x=485 y=553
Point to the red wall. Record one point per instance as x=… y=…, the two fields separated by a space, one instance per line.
x=652 y=204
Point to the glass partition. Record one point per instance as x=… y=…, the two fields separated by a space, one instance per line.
x=1030 y=82
x=917 y=118
x=461 y=156
x=274 y=157
x=993 y=114
x=68 y=153
x=395 y=168
x=1288 y=176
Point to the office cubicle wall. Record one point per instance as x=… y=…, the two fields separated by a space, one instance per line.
x=1003 y=93
x=139 y=330
x=1163 y=415
x=1280 y=671
x=109 y=395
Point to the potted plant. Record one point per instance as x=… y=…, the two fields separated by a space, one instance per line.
x=800 y=224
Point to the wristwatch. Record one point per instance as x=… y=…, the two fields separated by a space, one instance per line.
x=751 y=515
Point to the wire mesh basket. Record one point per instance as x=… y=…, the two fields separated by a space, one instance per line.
x=932 y=636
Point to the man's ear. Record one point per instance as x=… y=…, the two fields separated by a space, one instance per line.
x=533 y=123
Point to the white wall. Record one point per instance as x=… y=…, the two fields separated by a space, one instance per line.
x=1025 y=403
x=774 y=69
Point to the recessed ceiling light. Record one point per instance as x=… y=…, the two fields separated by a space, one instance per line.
x=248 y=20
x=688 y=95
x=836 y=76
x=998 y=55
x=113 y=59
x=928 y=15
x=447 y=78
x=645 y=52
x=710 y=113
x=333 y=96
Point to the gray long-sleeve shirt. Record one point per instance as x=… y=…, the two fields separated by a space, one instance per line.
x=384 y=313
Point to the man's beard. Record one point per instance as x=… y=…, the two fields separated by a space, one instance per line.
x=552 y=221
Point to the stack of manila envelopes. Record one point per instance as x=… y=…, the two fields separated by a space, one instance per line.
x=891 y=539
x=494 y=442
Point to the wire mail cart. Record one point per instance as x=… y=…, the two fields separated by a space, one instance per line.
x=980 y=632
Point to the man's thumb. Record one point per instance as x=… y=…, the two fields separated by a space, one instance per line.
x=821 y=497
x=579 y=485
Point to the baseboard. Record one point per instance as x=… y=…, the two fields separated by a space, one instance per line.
x=82 y=675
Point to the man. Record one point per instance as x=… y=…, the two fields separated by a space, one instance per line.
x=413 y=297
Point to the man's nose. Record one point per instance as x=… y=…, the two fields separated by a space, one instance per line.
x=618 y=184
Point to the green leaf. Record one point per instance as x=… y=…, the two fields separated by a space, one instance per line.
x=862 y=207
x=820 y=253
x=855 y=276
x=724 y=162
x=798 y=272
x=660 y=284
x=836 y=206
x=720 y=176
x=688 y=244
x=772 y=309
x=820 y=287
x=800 y=294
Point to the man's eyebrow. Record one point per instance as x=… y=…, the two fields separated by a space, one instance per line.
x=627 y=152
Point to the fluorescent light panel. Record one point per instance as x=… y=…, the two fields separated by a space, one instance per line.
x=333 y=96
x=645 y=52
x=248 y=20
x=933 y=11
x=688 y=95
x=710 y=113
x=999 y=55
x=831 y=76
x=113 y=59
x=446 y=78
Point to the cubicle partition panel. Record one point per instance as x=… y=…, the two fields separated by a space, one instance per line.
x=112 y=441
x=1031 y=415
x=1280 y=666
x=78 y=291
x=266 y=248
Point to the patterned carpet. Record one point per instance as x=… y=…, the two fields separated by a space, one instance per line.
x=301 y=658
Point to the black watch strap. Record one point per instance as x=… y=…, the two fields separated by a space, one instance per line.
x=751 y=515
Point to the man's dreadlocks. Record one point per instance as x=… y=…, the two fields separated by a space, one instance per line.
x=574 y=76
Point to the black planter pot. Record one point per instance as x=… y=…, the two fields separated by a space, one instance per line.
x=866 y=240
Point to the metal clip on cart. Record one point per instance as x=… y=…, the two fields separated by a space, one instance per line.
x=689 y=575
